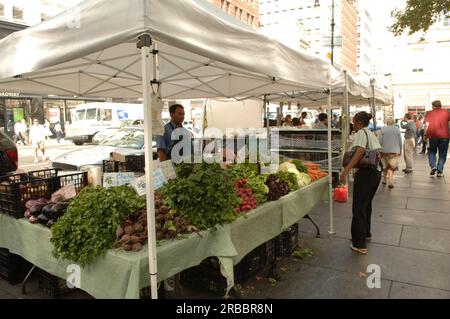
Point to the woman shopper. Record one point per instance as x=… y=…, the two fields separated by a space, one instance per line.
x=391 y=141
x=410 y=142
x=366 y=182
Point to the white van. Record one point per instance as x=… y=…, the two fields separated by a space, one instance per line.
x=91 y=118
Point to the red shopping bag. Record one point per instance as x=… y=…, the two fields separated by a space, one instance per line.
x=341 y=194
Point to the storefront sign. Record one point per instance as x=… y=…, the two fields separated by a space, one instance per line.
x=117 y=179
x=54 y=115
x=9 y=94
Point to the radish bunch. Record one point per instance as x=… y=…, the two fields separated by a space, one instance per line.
x=245 y=193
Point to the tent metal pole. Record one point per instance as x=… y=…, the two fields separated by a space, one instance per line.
x=346 y=118
x=266 y=116
x=330 y=168
x=144 y=44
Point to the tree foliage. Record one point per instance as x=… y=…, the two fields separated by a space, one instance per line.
x=419 y=15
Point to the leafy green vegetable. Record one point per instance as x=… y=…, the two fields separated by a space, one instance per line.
x=206 y=197
x=300 y=166
x=88 y=227
x=290 y=179
x=256 y=182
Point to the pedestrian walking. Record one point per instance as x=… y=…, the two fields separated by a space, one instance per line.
x=47 y=129
x=410 y=142
x=37 y=139
x=366 y=182
x=58 y=131
x=437 y=131
x=391 y=142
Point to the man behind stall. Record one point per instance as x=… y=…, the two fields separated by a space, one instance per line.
x=165 y=143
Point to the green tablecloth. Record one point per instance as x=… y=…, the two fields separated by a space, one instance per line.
x=120 y=274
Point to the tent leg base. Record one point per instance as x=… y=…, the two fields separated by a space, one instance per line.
x=24 y=282
x=314 y=224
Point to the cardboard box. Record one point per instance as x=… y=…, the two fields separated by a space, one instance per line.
x=118 y=157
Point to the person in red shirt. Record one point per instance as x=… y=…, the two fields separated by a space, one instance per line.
x=438 y=133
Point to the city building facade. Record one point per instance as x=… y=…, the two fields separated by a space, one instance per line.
x=244 y=10
x=420 y=72
x=307 y=25
x=16 y=15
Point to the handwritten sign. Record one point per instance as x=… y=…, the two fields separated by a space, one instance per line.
x=117 y=179
x=140 y=185
x=167 y=169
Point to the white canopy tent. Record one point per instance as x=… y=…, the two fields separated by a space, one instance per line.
x=180 y=49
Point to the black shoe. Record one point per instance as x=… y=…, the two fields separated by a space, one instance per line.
x=422 y=153
x=433 y=171
x=440 y=174
x=408 y=171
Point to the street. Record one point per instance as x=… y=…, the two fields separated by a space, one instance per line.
x=26 y=154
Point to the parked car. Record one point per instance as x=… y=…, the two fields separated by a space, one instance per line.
x=9 y=157
x=127 y=141
x=108 y=131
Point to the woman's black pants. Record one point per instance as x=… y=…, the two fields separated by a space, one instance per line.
x=364 y=190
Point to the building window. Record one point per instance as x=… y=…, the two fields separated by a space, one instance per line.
x=446 y=21
x=418 y=70
x=18 y=13
x=2 y=9
x=316 y=3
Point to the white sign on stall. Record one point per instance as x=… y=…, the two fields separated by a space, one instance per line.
x=140 y=185
x=117 y=179
x=167 y=168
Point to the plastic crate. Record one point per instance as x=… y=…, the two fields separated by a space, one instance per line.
x=135 y=163
x=13 y=268
x=52 y=286
x=287 y=241
x=79 y=180
x=16 y=190
x=110 y=166
x=207 y=276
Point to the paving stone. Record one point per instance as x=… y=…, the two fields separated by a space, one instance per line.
x=429 y=205
x=426 y=238
x=383 y=233
x=309 y=282
x=422 y=268
x=406 y=291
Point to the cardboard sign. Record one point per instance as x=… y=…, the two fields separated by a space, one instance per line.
x=140 y=185
x=117 y=179
x=168 y=170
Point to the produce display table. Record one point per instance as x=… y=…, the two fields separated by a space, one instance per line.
x=120 y=274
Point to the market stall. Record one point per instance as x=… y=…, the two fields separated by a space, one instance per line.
x=141 y=53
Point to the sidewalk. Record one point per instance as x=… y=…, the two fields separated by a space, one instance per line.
x=411 y=244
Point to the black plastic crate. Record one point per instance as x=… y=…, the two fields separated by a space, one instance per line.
x=135 y=163
x=207 y=276
x=79 y=180
x=13 y=268
x=17 y=189
x=287 y=241
x=258 y=260
x=110 y=166
x=146 y=293
x=52 y=286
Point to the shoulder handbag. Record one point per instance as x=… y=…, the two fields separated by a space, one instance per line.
x=371 y=158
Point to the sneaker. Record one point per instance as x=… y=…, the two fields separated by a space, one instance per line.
x=44 y=158
x=36 y=161
x=407 y=171
x=433 y=171
x=439 y=174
